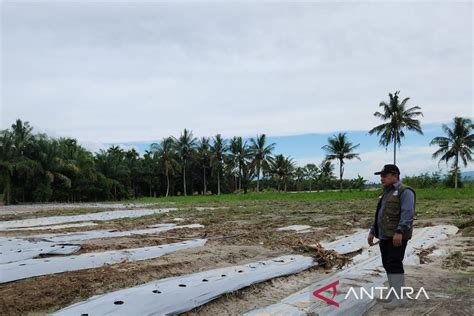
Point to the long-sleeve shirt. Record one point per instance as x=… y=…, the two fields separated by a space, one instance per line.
x=407 y=204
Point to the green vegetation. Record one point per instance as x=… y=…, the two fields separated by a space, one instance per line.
x=422 y=194
x=38 y=168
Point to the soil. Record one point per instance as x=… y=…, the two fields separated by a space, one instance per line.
x=237 y=234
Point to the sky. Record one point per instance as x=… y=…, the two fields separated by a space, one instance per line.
x=131 y=72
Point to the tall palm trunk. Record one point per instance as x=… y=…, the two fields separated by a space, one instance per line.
x=167 y=184
x=7 y=189
x=205 y=187
x=258 y=178
x=456 y=161
x=395 y=148
x=240 y=178
x=341 y=171
x=184 y=178
x=218 y=182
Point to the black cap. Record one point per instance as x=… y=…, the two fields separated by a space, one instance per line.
x=389 y=169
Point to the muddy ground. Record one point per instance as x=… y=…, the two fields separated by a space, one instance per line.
x=242 y=232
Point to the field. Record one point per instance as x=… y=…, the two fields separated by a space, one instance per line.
x=241 y=229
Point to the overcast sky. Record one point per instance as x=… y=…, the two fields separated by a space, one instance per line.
x=133 y=71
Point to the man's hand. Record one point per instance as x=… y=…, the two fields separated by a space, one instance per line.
x=370 y=239
x=397 y=240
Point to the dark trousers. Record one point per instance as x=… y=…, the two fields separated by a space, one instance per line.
x=392 y=257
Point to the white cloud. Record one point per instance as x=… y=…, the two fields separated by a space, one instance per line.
x=236 y=68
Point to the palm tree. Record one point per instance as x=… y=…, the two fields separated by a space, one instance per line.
x=218 y=153
x=458 y=144
x=51 y=166
x=234 y=151
x=147 y=169
x=113 y=165
x=399 y=118
x=261 y=155
x=299 y=177
x=185 y=147
x=12 y=155
x=241 y=154
x=7 y=163
x=326 y=174
x=132 y=160
x=311 y=173
x=339 y=148
x=282 y=167
x=166 y=155
x=21 y=133
x=204 y=154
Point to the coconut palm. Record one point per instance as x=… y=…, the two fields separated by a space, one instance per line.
x=185 y=148
x=165 y=154
x=339 y=148
x=241 y=155
x=299 y=177
x=282 y=168
x=398 y=118
x=311 y=173
x=262 y=155
x=204 y=156
x=326 y=174
x=218 y=153
x=457 y=145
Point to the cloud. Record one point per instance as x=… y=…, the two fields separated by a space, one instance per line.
x=238 y=68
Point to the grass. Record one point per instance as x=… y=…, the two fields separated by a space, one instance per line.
x=422 y=194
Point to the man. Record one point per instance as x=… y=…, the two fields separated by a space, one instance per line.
x=393 y=226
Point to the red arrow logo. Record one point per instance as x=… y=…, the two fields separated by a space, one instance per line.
x=334 y=293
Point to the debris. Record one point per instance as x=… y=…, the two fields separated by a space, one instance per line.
x=455 y=261
x=424 y=253
x=325 y=258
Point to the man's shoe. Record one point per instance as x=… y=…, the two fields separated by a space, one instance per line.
x=395 y=303
x=397 y=281
x=383 y=300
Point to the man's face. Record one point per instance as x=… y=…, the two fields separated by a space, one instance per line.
x=388 y=179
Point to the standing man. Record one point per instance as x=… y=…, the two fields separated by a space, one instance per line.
x=393 y=226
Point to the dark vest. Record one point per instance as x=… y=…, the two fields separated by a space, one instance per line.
x=391 y=215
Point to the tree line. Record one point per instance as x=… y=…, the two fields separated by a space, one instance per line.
x=38 y=168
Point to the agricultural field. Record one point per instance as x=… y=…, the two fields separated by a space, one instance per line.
x=148 y=241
